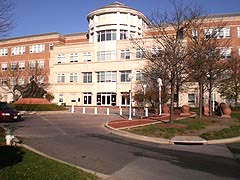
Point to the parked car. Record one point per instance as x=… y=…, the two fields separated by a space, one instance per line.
x=8 y=114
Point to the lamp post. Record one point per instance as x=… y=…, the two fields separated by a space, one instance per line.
x=130 y=76
x=144 y=100
x=159 y=80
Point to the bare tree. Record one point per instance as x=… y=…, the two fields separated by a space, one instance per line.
x=167 y=33
x=6 y=17
x=204 y=60
x=229 y=85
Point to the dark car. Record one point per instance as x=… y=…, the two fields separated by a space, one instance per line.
x=8 y=114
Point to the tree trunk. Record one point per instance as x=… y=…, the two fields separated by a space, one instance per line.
x=172 y=101
x=210 y=97
x=200 y=99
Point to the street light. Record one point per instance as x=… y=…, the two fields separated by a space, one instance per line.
x=144 y=93
x=130 y=76
x=159 y=80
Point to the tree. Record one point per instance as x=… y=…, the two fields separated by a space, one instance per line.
x=167 y=34
x=6 y=17
x=204 y=60
x=229 y=86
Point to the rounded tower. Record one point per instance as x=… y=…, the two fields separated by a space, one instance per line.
x=115 y=22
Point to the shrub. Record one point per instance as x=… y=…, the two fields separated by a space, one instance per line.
x=38 y=107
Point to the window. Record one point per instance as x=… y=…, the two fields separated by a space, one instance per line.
x=20 y=81
x=60 y=98
x=106 y=35
x=61 y=78
x=73 y=77
x=106 y=55
x=125 y=98
x=13 y=66
x=37 y=48
x=18 y=50
x=87 y=77
x=40 y=79
x=32 y=65
x=4 y=52
x=125 y=54
x=51 y=46
x=217 y=32
x=87 y=56
x=191 y=98
x=13 y=81
x=225 y=53
x=124 y=76
x=41 y=64
x=140 y=53
x=4 y=81
x=87 y=98
x=61 y=58
x=156 y=52
x=238 y=51
x=74 y=57
x=4 y=66
x=139 y=76
x=21 y=65
x=238 y=32
x=107 y=76
x=123 y=34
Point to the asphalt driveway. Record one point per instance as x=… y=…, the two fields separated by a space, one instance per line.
x=82 y=140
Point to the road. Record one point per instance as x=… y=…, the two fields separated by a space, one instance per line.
x=83 y=140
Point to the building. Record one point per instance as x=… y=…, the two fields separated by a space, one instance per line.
x=92 y=69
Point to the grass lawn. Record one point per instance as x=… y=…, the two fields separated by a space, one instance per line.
x=17 y=163
x=207 y=128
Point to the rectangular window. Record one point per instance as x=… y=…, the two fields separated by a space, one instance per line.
x=61 y=58
x=60 y=98
x=106 y=35
x=124 y=76
x=156 y=52
x=194 y=34
x=123 y=34
x=20 y=81
x=87 y=98
x=140 y=53
x=139 y=76
x=73 y=77
x=40 y=79
x=18 y=50
x=32 y=65
x=107 y=76
x=4 y=81
x=106 y=55
x=87 y=77
x=125 y=54
x=4 y=66
x=13 y=81
x=37 y=48
x=21 y=65
x=41 y=64
x=238 y=32
x=191 y=99
x=74 y=57
x=4 y=52
x=60 y=78
x=226 y=53
x=87 y=56
x=13 y=66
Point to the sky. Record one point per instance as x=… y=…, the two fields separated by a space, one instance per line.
x=70 y=16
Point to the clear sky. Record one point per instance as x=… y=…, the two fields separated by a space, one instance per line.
x=69 y=16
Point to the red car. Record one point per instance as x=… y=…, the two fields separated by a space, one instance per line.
x=8 y=114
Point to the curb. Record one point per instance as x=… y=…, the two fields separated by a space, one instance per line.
x=120 y=132
x=137 y=137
